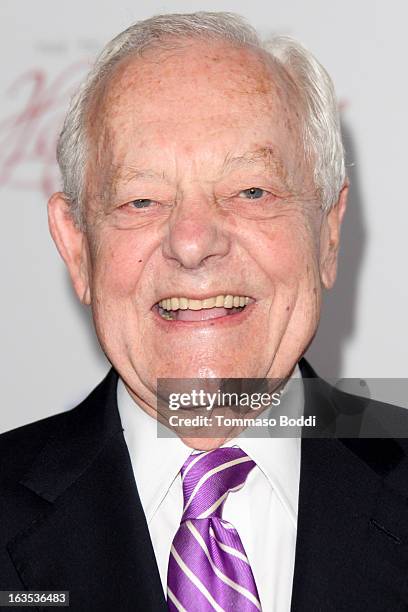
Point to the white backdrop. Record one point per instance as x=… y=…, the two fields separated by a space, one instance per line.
x=50 y=358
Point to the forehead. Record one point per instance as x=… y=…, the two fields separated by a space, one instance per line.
x=200 y=97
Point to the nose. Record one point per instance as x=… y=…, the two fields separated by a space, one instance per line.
x=195 y=233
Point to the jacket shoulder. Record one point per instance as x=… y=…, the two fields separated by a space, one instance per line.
x=19 y=446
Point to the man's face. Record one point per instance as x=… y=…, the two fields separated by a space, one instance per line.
x=197 y=189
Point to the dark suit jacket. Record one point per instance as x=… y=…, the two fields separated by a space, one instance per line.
x=71 y=518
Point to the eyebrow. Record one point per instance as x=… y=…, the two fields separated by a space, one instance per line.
x=125 y=174
x=131 y=173
x=264 y=155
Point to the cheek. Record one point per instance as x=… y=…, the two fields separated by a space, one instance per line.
x=118 y=264
x=287 y=253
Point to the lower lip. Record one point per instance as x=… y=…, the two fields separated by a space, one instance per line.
x=227 y=320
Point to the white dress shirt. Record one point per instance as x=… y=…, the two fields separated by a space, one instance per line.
x=264 y=511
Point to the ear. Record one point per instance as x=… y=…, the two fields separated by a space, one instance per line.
x=330 y=239
x=72 y=245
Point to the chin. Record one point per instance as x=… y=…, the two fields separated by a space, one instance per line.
x=216 y=370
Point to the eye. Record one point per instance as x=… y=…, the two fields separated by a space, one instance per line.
x=253 y=193
x=141 y=203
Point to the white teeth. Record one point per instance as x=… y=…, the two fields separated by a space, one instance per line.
x=228 y=301
x=219 y=301
x=209 y=303
x=195 y=304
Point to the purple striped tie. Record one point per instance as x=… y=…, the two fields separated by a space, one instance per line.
x=208 y=567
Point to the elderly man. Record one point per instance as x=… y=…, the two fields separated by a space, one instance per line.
x=204 y=190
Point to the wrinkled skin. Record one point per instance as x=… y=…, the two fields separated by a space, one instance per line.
x=187 y=131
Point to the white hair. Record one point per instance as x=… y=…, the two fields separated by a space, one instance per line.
x=313 y=87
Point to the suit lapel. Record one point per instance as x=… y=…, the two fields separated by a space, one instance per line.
x=93 y=531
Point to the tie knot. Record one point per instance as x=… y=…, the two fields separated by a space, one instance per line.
x=208 y=477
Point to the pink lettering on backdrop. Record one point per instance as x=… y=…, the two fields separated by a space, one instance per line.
x=29 y=134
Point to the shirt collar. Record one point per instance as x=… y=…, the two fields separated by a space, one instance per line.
x=162 y=457
x=279 y=458
x=156 y=461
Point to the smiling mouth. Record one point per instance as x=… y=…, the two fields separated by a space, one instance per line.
x=186 y=309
